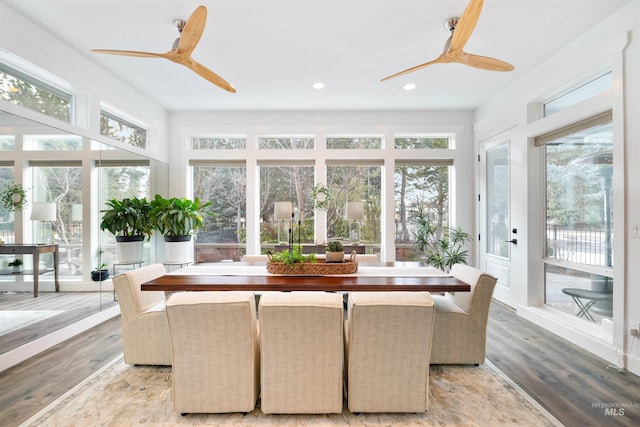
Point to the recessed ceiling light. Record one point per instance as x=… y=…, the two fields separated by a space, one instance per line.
x=409 y=86
x=318 y=85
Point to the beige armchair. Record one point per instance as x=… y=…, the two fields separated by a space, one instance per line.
x=387 y=349
x=215 y=351
x=145 y=332
x=460 y=330
x=301 y=352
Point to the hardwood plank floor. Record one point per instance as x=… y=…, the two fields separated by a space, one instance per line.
x=564 y=379
x=76 y=306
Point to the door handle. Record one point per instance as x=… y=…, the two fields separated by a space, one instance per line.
x=514 y=241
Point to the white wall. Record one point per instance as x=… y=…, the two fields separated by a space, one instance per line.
x=515 y=112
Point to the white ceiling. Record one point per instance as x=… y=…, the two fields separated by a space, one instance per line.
x=272 y=51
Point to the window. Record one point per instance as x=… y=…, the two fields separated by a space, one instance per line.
x=579 y=213
x=577 y=94
x=360 y=184
x=7 y=226
x=223 y=236
x=219 y=143
x=498 y=208
x=288 y=168
x=120 y=179
x=419 y=188
x=61 y=184
x=286 y=143
x=63 y=142
x=286 y=184
x=26 y=91
x=7 y=143
x=121 y=130
x=410 y=143
x=354 y=142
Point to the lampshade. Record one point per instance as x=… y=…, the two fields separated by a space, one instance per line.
x=354 y=210
x=43 y=211
x=282 y=210
x=76 y=212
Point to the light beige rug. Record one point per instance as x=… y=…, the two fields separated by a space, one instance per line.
x=124 y=395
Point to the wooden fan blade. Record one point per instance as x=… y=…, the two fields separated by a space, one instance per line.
x=466 y=25
x=130 y=53
x=416 y=68
x=192 y=31
x=484 y=62
x=209 y=75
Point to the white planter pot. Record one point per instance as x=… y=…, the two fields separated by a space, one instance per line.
x=334 y=256
x=178 y=250
x=128 y=250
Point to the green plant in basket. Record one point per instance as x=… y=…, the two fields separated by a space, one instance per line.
x=335 y=247
x=292 y=257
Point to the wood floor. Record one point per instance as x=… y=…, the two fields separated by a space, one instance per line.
x=564 y=379
x=76 y=306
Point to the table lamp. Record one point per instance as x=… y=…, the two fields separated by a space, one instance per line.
x=354 y=212
x=282 y=211
x=43 y=212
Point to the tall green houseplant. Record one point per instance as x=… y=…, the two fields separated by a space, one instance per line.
x=177 y=217
x=442 y=246
x=127 y=217
x=128 y=221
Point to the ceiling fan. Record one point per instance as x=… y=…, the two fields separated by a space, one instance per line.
x=461 y=29
x=180 y=53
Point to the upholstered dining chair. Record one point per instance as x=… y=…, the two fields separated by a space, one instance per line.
x=387 y=349
x=301 y=352
x=215 y=351
x=145 y=332
x=460 y=329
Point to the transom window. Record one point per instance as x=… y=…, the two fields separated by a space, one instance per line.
x=122 y=130
x=21 y=89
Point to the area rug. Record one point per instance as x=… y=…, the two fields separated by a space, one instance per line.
x=124 y=395
x=12 y=320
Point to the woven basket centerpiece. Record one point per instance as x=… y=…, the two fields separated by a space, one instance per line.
x=317 y=268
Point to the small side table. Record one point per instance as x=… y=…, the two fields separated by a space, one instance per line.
x=589 y=297
x=133 y=264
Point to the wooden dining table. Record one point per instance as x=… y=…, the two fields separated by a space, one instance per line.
x=243 y=276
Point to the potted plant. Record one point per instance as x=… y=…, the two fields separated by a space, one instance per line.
x=100 y=272
x=442 y=246
x=177 y=219
x=128 y=221
x=16 y=265
x=334 y=252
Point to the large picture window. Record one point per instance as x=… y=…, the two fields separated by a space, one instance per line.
x=418 y=188
x=290 y=184
x=223 y=236
x=579 y=215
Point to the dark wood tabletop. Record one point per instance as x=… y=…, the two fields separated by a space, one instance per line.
x=332 y=283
